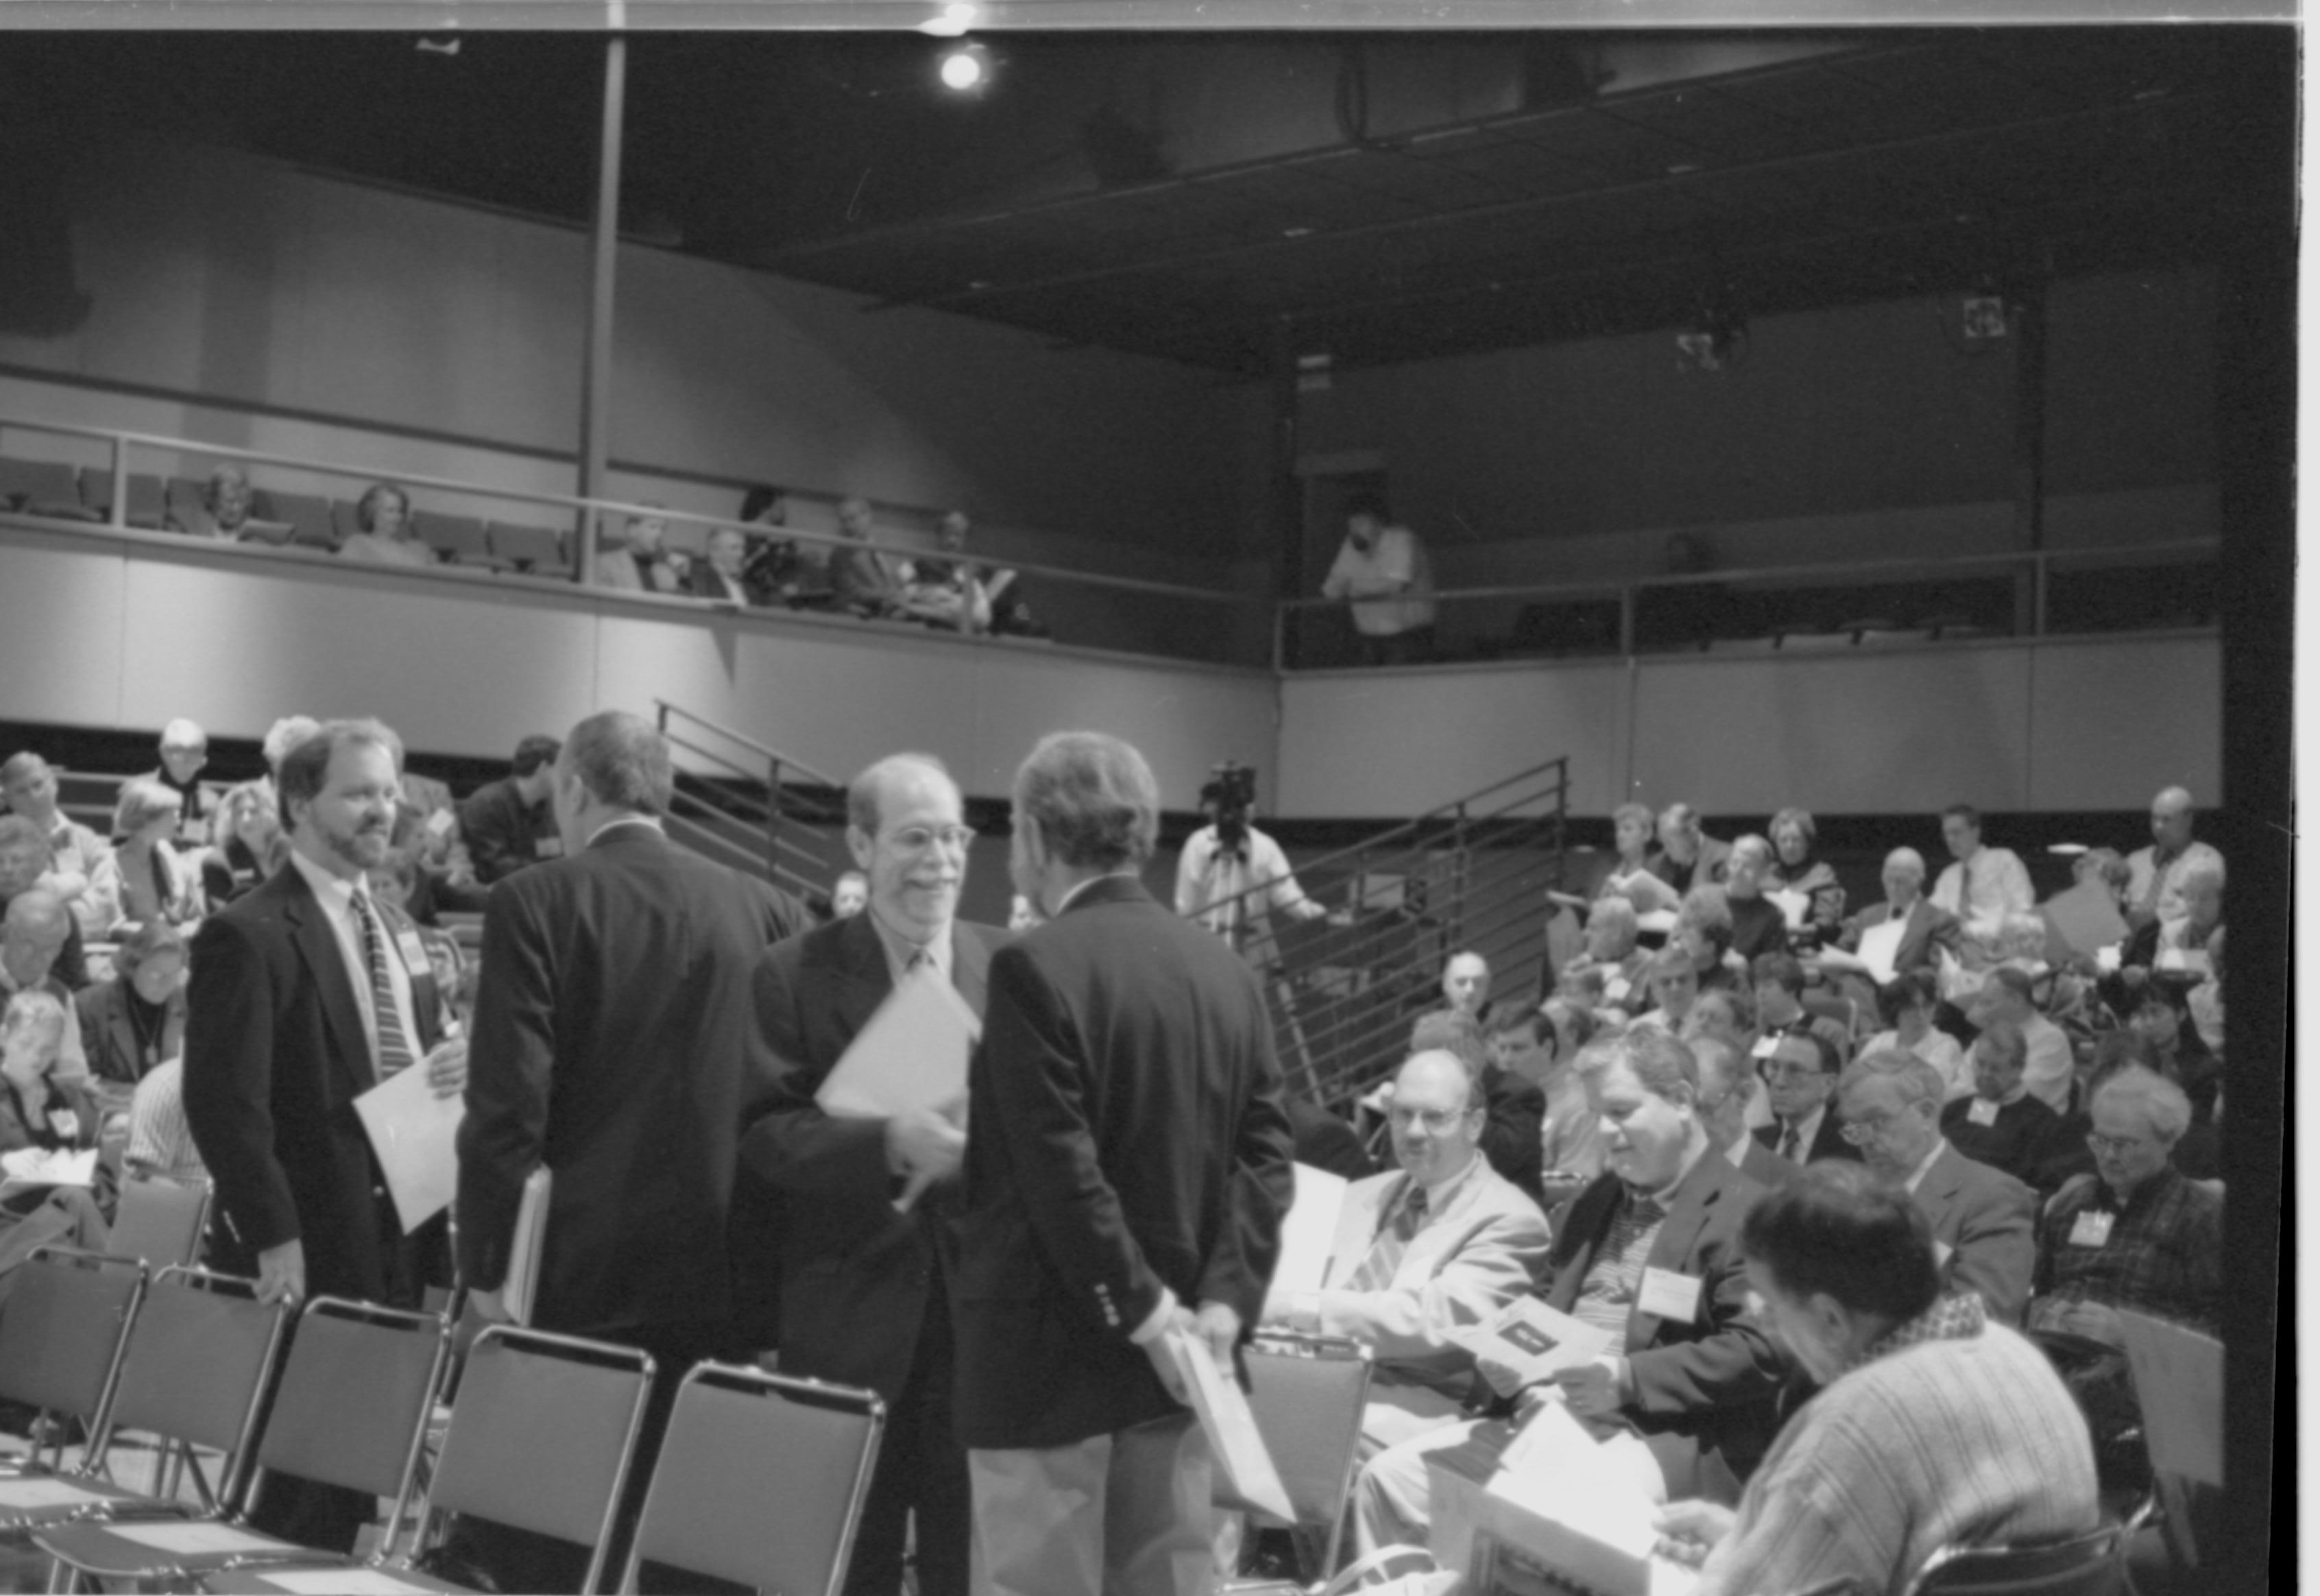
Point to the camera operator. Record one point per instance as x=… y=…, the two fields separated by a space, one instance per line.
x=1233 y=874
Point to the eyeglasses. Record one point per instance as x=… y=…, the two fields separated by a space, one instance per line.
x=919 y=840
x=2113 y=1146
x=1434 y=1120
x=1860 y=1132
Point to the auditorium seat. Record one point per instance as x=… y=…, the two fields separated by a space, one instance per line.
x=538 y=550
x=182 y=498
x=147 y=508
x=457 y=539
x=311 y=521
x=42 y=487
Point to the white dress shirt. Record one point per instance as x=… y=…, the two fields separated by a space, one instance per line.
x=336 y=894
x=2000 y=887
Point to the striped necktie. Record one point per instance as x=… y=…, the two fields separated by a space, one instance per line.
x=1377 y=1269
x=1789 y=1145
x=395 y=1052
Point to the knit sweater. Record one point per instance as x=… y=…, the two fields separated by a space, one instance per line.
x=1970 y=1439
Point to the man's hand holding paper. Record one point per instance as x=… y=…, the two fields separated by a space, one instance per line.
x=446 y=1065
x=926 y=1144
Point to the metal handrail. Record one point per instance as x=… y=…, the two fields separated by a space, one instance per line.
x=788 y=762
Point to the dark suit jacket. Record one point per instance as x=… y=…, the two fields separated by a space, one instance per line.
x=702 y=582
x=1766 y=1168
x=1325 y=1141
x=1510 y=1135
x=1929 y=932
x=612 y=1042
x=110 y=1035
x=1828 y=1142
x=275 y=1057
x=1983 y=1216
x=1707 y=868
x=854 y=1278
x=1125 y=1134
x=1709 y=1382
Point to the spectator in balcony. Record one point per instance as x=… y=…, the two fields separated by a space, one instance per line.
x=639 y=563
x=2001 y=1124
x=776 y=571
x=1385 y=571
x=75 y=851
x=131 y=1023
x=508 y=823
x=1906 y=1005
x=144 y=880
x=2048 y=1068
x=1687 y=856
x=184 y=749
x=940 y=592
x=225 y=507
x=724 y=576
x=1797 y=868
x=384 y=533
x=2156 y=884
x=32 y=935
x=1758 y=925
x=868 y=582
x=1985 y=885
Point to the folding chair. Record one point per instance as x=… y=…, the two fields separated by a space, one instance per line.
x=351 y=1410
x=62 y=1334
x=159 y=1221
x=1307 y=1394
x=2083 y=1565
x=761 y=1480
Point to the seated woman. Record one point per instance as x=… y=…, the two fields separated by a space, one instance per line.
x=143 y=879
x=129 y=1024
x=1796 y=868
x=1632 y=875
x=1906 y=1003
x=248 y=845
x=384 y=533
x=637 y=563
x=2162 y=1018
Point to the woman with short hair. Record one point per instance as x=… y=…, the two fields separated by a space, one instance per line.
x=132 y=1022
x=143 y=879
x=1797 y=868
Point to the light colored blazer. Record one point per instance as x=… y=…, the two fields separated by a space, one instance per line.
x=1984 y=1220
x=1484 y=1250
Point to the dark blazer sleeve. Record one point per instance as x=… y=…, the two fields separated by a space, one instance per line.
x=792 y=1146
x=504 y=1137
x=1510 y=1137
x=1994 y=1251
x=1264 y=1183
x=228 y=1082
x=1730 y=1362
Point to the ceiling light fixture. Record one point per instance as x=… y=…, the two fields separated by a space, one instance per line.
x=965 y=68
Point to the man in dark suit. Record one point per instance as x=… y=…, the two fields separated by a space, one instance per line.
x=507 y=823
x=1891 y=1105
x=305 y=994
x=1802 y=1075
x=859 y=1285
x=1650 y=1252
x=612 y=1041
x=1723 y=1086
x=1127 y=1158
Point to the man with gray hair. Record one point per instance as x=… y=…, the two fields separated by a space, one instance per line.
x=1890 y=1104
x=1688 y=857
x=1127 y=1174
x=2136 y=1233
x=1926 y=932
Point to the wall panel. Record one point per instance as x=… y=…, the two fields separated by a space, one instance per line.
x=2110 y=726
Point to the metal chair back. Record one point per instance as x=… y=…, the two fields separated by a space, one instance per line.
x=196 y=1367
x=63 y=1328
x=159 y=1221
x=1307 y=1393
x=2089 y=1565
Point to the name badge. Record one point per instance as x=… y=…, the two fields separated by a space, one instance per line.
x=413 y=951
x=1668 y=1295
x=1982 y=1111
x=549 y=848
x=64 y=1124
x=1766 y=1047
x=440 y=822
x=2091 y=1228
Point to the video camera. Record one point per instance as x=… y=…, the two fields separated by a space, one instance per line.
x=1228 y=798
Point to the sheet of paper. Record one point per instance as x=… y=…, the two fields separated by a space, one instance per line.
x=1533 y=1339
x=37 y=1166
x=194 y=1539
x=1310 y=1230
x=1880 y=945
x=1792 y=905
x=913 y=1054
x=2086 y=918
x=1578 y=1509
x=519 y=1293
x=332 y=1582
x=26 y=1494
x=415 y=1135
x=1234 y=1440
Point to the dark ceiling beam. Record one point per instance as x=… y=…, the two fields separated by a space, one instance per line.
x=1704 y=177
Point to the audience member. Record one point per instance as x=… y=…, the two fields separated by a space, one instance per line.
x=641 y=561
x=868 y=582
x=25 y=865
x=2047 y=1066
x=850 y=894
x=1131 y=1158
x=1758 y=925
x=1514 y=1132
x=427 y=828
x=1777 y=981
x=1540 y=1046
x=1997 y=1452
x=1675 y=986
x=275 y=1053
x=1928 y=931
x=2206 y=1001
x=2174 y=948
x=2155 y=875
x=949 y=592
x=778 y=571
x=384 y=533
x=612 y=1034
x=401 y=882
x=1383 y=569
x=858 y=1207
x=75 y=851
x=1802 y=1073
x=1611 y=949
x=131 y=1023
x=2137 y=1233
x=143 y=878
x=724 y=575
x=1439 y=1243
x=184 y=749
x=1799 y=869
x=1727 y=1083
x=1890 y=1103
x=1635 y=853
x=1466 y=983
x=33 y=933
x=1986 y=883
x=1688 y=857
x=43 y=1107
x=226 y=508
x=1023 y=914
x=509 y=824
x=1731 y=1018
x=1703 y=931
x=2162 y=1017
x=1906 y=1005
x=1650 y=1253
x=159 y=1144
x=2002 y=1125
x=250 y=846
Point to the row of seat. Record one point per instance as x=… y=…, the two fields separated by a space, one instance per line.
x=759 y=1479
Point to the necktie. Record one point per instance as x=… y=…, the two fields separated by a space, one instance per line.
x=395 y=1052
x=920 y=959
x=1643 y=1211
x=1789 y=1145
x=1965 y=889
x=1377 y=1270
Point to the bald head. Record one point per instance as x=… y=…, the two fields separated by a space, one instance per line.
x=1903 y=875
x=1437 y=1115
x=2170 y=820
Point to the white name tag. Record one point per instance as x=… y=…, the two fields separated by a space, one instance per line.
x=1766 y=1047
x=549 y=848
x=1982 y=1111
x=2091 y=1228
x=440 y=822
x=413 y=951
x=64 y=1124
x=1666 y=1294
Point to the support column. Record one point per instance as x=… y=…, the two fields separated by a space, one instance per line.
x=2029 y=332
x=596 y=354
x=1285 y=505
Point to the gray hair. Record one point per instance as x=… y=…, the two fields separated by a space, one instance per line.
x=1909 y=859
x=621 y=760
x=1919 y=1082
x=1660 y=1063
x=143 y=800
x=2161 y=1101
x=285 y=734
x=1092 y=797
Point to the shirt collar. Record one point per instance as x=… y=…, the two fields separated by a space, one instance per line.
x=1071 y=896
x=334 y=892
x=1924 y=1164
x=652 y=821
x=1440 y=1197
x=901 y=947
x=1949 y=1319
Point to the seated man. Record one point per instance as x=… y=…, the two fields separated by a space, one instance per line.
x=1985 y=885
x=2157 y=876
x=1674 y=983
x=1611 y=949
x=2177 y=945
x=2136 y=1233
x=1725 y=1077
x=1441 y=1242
x=850 y=895
x=184 y=749
x=1996 y=1451
x=1928 y=931
x=2047 y=1061
x=33 y=932
x=224 y=510
x=1758 y=925
x=1703 y=928
x=2001 y=1125
x=1651 y=1252
x=1907 y=1004
x=1465 y=984
x=1802 y=1075
x=1512 y=1106
x=1980 y=1216
x=1521 y=1040
x=41 y=1107
x=1543 y=1048
x=724 y=576
x=1686 y=857
x=866 y=581
x=506 y=823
